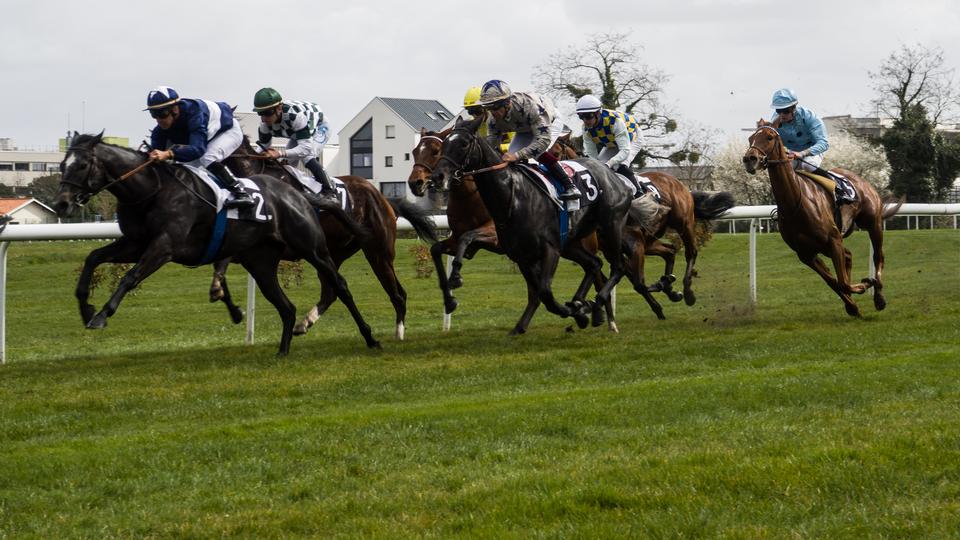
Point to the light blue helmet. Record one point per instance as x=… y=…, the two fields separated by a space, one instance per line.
x=783 y=98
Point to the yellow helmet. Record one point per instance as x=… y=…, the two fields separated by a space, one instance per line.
x=472 y=97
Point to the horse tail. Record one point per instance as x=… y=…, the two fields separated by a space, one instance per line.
x=708 y=205
x=418 y=217
x=333 y=207
x=892 y=205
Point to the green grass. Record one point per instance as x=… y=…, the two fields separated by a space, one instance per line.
x=788 y=419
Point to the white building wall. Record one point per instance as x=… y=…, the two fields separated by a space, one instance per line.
x=33 y=213
x=37 y=164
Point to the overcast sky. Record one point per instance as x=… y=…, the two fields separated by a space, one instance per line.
x=92 y=63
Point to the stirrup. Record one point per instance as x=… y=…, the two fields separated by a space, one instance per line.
x=571 y=193
x=240 y=199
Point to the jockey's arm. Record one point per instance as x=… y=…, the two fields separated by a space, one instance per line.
x=303 y=149
x=264 y=136
x=622 y=138
x=196 y=142
x=589 y=147
x=818 y=131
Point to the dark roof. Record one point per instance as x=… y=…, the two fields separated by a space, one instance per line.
x=420 y=113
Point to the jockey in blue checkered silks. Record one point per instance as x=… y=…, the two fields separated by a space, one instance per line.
x=197 y=132
x=302 y=124
x=609 y=136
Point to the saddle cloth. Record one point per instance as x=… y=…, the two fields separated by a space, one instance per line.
x=835 y=185
x=311 y=185
x=578 y=174
x=222 y=195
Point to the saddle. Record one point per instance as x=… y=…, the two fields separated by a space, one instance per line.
x=843 y=193
x=577 y=173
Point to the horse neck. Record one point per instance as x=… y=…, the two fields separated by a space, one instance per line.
x=783 y=179
x=119 y=161
x=495 y=187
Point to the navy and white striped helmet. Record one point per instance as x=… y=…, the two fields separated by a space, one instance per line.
x=161 y=97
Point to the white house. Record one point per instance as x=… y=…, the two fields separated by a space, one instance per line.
x=27 y=211
x=377 y=143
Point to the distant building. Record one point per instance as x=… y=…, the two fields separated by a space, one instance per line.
x=377 y=142
x=27 y=211
x=874 y=128
x=250 y=124
x=20 y=167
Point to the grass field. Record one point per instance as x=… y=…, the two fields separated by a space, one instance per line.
x=788 y=419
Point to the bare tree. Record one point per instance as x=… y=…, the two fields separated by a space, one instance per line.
x=608 y=65
x=730 y=175
x=914 y=75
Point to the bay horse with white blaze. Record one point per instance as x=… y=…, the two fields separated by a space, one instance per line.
x=527 y=221
x=807 y=225
x=167 y=214
x=376 y=213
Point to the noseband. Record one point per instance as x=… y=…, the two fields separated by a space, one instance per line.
x=765 y=160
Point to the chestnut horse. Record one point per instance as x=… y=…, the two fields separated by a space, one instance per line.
x=806 y=219
x=683 y=209
x=471 y=227
x=368 y=207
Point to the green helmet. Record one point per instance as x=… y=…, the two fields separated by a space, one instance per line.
x=266 y=98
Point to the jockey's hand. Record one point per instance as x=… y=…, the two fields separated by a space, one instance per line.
x=161 y=155
x=272 y=153
x=510 y=157
x=793 y=155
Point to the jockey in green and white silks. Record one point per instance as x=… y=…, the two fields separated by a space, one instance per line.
x=536 y=127
x=196 y=132
x=302 y=124
x=609 y=136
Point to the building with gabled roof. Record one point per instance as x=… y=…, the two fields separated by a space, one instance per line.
x=27 y=211
x=377 y=143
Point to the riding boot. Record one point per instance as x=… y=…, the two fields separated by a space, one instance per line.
x=327 y=188
x=240 y=196
x=570 y=191
x=625 y=170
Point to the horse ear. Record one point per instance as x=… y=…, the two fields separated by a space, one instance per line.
x=99 y=137
x=423 y=131
x=475 y=124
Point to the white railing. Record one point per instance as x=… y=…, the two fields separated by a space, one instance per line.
x=84 y=231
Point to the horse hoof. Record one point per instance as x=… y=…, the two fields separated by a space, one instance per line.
x=86 y=313
x=613 y=328
x=216 y=296
x=98 y=322
x=689 y=298
x=582 y=320
x=374 y=344
x=674 y=296
x=455 y=281
x=450 y=306
x=879 y=302
x=517 y=331
x=598 y=316
x=300 y=329
x=853 y=310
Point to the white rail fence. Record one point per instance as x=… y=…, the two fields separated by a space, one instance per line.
x=87 y=231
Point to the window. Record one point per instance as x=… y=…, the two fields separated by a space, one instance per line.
x=6 y=166
x=38 y=167
x=21 y=167
x=388 y=161
x=430 y=116
x=361 y=151
x=391 y=132
x=442 y=115
x=53 y=167
x=393 y=190
x=406 y=157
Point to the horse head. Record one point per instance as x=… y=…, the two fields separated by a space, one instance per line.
x=461 y=151
x=563 y=148
x=426 y=155
x=83 y=174
x=766 y=147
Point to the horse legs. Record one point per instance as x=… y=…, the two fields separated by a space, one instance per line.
x=156 y=255
x=327 y=296
x=634 y=271
x=690 y=254
x=817 y=265
x=437 y=251
x=220 y=291
x=667 y=252
x=327 y=273
x=592 y=275
x=263 y=268
x=876 y=240
x=381 y=261
x=485 y=236
x=533 y=302
x=122 y=250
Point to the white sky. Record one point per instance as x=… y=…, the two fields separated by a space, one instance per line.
x=95 y=61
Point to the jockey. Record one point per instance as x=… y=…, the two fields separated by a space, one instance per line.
x=617 y=132
x=471 y=110
x=197 y=132
x=533 y=119
x=805 y=137
x=304 y=127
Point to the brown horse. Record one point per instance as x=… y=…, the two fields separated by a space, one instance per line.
x=682 y=210
x=806 y=220
x=368 y=207
x=471 y=227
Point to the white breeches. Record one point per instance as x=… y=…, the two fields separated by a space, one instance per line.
x=220 y=146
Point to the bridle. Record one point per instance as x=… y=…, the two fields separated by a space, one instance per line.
x=83 y=188
x=458 y=172
x=765 y=159
x=417 y=162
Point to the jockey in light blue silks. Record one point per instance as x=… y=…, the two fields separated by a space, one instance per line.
x=302 y=124
x=197 y=132
x=617 y=134
x=805 y=137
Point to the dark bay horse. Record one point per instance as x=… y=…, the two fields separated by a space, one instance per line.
x=369 y=207
x=166 y=215
x=682 y=208
x=805 y=212
x=471 y=227
x=527 y=224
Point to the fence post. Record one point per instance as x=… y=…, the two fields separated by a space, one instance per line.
x=753 y=261
x=3 y=301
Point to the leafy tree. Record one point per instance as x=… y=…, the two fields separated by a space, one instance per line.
x=911 y=154
x=44 y=188
x=946 y=167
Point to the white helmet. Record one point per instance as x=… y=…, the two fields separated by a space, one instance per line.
x=494 y=91
x=588 y=104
